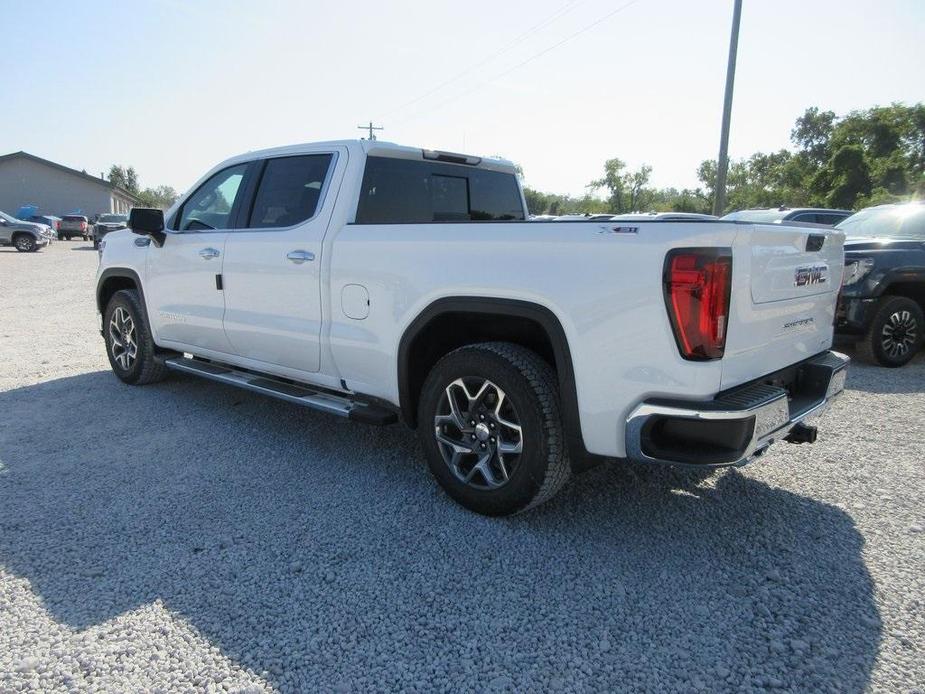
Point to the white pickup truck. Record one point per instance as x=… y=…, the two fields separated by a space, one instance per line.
x=381 y=282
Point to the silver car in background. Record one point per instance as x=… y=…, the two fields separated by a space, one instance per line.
x=24 y=236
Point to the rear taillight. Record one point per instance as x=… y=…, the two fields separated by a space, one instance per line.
x=697 y=285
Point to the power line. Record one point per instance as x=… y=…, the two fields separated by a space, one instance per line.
x=571 y=5
x=528 y=60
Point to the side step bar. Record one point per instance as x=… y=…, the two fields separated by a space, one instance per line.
x=305 y=396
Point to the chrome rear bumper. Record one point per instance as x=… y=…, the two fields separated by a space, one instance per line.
x=738 y=425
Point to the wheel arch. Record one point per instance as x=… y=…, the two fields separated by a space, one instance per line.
x=452 y=322
x=909 y=287
x=23 y=232
x=114 y=279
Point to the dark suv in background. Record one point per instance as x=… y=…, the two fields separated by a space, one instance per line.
x=883 y=286
x=106 y=223
x=805 y=215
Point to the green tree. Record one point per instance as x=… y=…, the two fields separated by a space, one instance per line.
x=161 y=197
x=627 y=189
x=848 y=177
x=124 y=177
x=813 y=133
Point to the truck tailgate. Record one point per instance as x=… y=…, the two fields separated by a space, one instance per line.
x=785 y=281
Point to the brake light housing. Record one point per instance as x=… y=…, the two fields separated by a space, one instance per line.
x=697 y=284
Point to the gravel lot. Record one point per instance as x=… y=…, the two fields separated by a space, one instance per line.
x=190 y=536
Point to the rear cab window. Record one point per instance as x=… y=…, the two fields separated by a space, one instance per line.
x=409 y=191
x=289 y=191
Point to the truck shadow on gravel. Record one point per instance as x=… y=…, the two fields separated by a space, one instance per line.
x=319 y=552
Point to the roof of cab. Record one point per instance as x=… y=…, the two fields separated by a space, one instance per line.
x=377 y=148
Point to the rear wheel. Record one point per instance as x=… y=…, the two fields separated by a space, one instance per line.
x=490 y=427
x=24 y=243
x=129 y=344
x=895 y=334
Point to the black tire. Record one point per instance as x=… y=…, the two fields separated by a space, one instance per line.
x=62 y=237
x=86 y=238
x=144 y=368
x=96 y=244
x=24 y=243
x=526 y=391
x=895 y=334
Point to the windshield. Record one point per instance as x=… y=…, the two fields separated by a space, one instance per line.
x=6 y=217
x=757 y=215
x=892 y=221
x=113 y=217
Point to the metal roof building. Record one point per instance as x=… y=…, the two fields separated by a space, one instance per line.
x=26 y=179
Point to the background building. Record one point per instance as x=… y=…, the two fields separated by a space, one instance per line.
x=55 y=189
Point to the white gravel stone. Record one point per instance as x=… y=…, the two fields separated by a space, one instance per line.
x=189 y=537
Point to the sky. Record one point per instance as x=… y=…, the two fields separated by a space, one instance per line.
x=558 y=86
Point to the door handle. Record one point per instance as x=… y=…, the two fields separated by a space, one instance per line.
x=209 y=253
x=299 y=257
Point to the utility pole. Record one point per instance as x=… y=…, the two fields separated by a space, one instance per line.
x=370 y=127
x=719 y=194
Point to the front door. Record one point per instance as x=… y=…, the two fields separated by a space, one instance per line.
x=272 y=267
x=183 y=285
x=6 y=228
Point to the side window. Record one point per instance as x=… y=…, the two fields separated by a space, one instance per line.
x=806 y=217
x=495 y=196
x=830 y=219
x=419 y=192
x=289 y=191
x=210 y=206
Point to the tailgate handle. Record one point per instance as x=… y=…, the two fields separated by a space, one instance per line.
x=814 y=242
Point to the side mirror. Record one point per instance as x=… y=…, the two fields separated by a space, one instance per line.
x=148 y=222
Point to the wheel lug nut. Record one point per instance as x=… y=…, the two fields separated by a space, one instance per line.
x=482 y=445
x=492 y=439
x=472 y=436
x=481 y=416
x=472 y=422
x=491 y=424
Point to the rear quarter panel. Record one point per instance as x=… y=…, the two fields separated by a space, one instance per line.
x=604 y=287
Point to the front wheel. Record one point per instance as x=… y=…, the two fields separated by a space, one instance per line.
x=491 y=430
x=129 y=344
x=896 y=332
x=25 y=243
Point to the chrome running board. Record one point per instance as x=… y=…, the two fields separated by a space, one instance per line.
x=298 y=394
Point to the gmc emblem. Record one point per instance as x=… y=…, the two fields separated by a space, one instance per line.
x=810 y=274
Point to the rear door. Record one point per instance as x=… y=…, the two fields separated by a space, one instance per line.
x=182 y=287
x=272 y=268
x=784 y=287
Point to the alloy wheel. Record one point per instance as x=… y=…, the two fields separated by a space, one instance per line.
x=123 y=342
x=23 y=243
x=478 y=432
x=898 y=334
